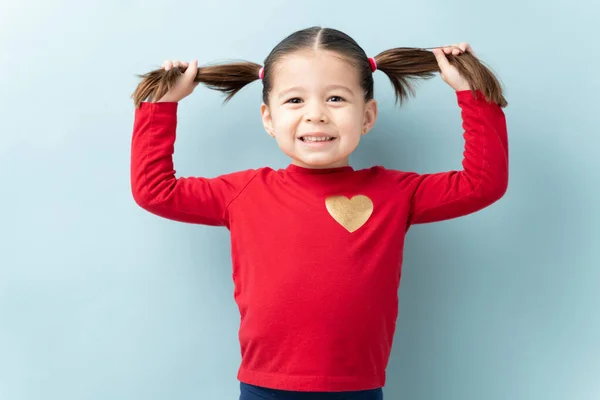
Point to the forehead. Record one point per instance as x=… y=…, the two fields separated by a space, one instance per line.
x=310 y=68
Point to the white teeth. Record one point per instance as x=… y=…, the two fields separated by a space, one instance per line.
x=316 y=139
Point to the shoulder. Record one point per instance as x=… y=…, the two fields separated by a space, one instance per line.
x=392 y=178
x=246 y=177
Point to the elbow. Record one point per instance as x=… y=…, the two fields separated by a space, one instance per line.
x=152 y=194
x=496 y=191
x=146 y=192
x=141 y=197
x=139 y=188
x=151 y=197
x=500 y=192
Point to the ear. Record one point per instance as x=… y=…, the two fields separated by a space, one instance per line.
x=370 y=116
x=267 y=119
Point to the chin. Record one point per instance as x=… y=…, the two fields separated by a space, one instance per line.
x=322 y=162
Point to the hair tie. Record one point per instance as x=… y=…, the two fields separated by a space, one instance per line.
x=261 y=73
x=373 y=64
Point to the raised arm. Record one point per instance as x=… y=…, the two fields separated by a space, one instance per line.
x=154 y=185
x=484 y=177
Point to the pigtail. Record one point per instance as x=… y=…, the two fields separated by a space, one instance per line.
x=403 y=65
x=226 y=78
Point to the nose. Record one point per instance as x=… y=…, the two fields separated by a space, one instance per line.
x=315 y=113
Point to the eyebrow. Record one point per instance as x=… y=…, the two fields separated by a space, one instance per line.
x=330 y=87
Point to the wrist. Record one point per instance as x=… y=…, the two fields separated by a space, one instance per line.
x=168 y=98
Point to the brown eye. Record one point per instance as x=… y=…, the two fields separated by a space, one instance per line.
x=294 y=100
x=338 y=98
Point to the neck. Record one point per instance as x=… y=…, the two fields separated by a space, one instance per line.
x=338 y=164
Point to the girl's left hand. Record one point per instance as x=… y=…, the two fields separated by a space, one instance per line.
x=449 y=73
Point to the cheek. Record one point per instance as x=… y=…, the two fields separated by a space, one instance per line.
x=285 y=121
x=351 y=122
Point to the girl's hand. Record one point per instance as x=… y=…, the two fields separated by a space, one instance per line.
x=449 y=73
x=185 y=85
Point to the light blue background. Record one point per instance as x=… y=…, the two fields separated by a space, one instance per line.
x=102 y=300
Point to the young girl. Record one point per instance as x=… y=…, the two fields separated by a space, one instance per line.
x=317 y=246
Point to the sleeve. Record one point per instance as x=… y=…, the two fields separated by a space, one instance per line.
x=484 y=177
x=153 y=183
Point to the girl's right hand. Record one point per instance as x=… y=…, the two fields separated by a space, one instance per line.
x=185 y=85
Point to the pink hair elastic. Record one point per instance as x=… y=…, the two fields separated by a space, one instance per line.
x=373 y=64
x=261 y=73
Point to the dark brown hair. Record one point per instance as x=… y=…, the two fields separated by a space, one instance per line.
x=402 y=65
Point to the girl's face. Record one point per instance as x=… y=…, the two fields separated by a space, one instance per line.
x=317 y=111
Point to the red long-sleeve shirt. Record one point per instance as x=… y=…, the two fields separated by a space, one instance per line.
x=316 y=274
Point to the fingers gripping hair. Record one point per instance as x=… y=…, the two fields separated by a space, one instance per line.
x=403 y=65
x=227 y=78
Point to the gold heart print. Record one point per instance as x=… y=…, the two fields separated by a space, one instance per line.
x=351 y=213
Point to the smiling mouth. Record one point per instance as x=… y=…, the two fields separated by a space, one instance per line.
x=310 y=139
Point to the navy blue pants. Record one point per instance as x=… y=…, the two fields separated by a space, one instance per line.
x=251 y=392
